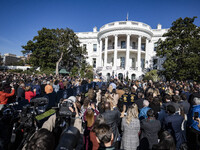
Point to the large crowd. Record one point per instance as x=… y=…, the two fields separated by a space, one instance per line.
x=126 y=115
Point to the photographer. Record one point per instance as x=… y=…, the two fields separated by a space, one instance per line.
x=51 y=122
x=65 y=128
x=4 y=96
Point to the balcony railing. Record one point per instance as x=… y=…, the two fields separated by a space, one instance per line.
x=120 y=68
x=133 y=68
x=110 y=47
x=109 y=67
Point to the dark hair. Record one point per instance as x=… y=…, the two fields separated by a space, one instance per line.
x=56 y=82
x=104 y=133
x=42 y=140
x=167 y=97
x=99 y=120
x=140 y=95
x=114 y=91
x=175 y=98
x=166 y=142
x=156 y=101
x=150 y=113
x=171 y=109
x=183 y=96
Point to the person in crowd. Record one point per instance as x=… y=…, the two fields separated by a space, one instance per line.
x=139 y=100
x=112 y=118
x=92 y=95
x=20 y=92
x=173 y=123
x=120 y=90
x=114 y=97
x=155 y=105
x=143 y=111
x=93 y=138
x=29 y=94
x=61 y=85
x=126 y=101
x=130 y=128
x=44 y=83
x=86 y=104
x=166 y=142
x=112 y=83
x=42 y=140
x=184 y=103
x=56 y=86
x=89 y=117
x=36 y=85
x=175 y=102
x=149 y=131
x=48 y=88
x=4 y=96
x=193 y=124
x=105 y=136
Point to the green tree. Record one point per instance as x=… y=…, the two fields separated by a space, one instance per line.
x=182 y=50
x=152 y=75
x=52 y=48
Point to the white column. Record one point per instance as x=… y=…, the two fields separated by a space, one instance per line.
x=146 y=53
x=127 y=51
x=115 y=52
x=100 y=51
x=139 y=54
x=105 y=53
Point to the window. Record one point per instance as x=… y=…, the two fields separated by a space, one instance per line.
x=103 y=47
x=85 y=46
x=155 y=61
x=155 y=46
x=122 y=62
x=123 y=44
x=94 y=47
x=133 y=45
x=143 y=46
x=133 y=63
x=142 y=63
x=94 y=63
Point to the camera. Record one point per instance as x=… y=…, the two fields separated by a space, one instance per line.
x=64 y=110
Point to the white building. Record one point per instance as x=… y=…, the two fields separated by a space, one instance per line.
x=123 y=48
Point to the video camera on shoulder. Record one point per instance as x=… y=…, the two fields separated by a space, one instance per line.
x=65 y=105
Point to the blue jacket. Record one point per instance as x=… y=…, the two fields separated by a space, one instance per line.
x=172 y=123
x=143 y=113
x=192 y=123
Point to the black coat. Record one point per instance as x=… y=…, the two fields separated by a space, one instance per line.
x=112 y=118
x=172 y=123
x=149 y=133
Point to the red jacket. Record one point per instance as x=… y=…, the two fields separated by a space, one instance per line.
x=4 y=96
x=29 y=95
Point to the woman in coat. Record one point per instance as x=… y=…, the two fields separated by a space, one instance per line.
x=130 y=127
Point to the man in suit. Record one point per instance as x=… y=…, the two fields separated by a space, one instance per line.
x=172 y=123
x=112 y=118
x=149 y=131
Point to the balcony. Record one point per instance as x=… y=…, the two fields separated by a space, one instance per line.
x=109 y=67
x=110 y=47
x=133 y=68
x=120 y=68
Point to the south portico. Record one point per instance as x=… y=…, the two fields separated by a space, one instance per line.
x=122 y=48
